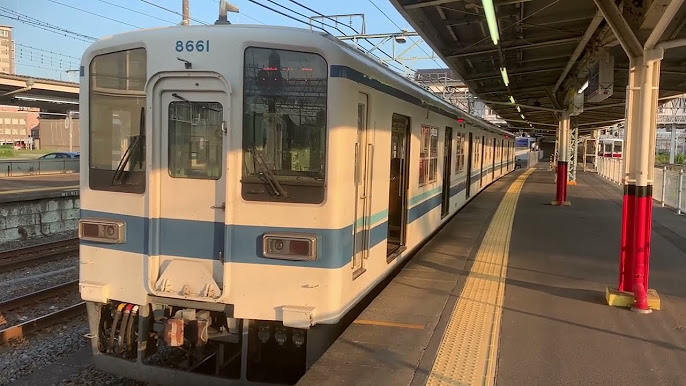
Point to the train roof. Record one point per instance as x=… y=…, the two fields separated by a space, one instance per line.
x=380 y=71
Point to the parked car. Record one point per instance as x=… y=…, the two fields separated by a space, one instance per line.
x=60 y=155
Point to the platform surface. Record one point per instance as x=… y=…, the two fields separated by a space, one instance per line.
x=555 y=328
x=38 y=186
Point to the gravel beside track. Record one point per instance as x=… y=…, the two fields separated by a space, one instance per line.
x=90 y=376
x=24 y=356
x=24 y=280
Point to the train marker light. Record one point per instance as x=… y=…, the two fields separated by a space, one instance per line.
x=102 y=230
x=289 y=246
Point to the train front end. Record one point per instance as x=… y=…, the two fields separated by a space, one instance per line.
x=210 y=246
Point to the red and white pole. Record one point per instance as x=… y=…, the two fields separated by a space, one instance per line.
x=562 y=161
x=642 y=93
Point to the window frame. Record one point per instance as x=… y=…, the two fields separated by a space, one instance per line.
x=100 y=179
x=304 y=191
x=427 y=155
x=220 y=153
x=459 y=152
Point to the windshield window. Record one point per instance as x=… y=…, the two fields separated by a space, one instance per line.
x=116 y=121
x=284 y=125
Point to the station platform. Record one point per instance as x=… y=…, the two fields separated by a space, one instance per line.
x=14 y=189
x=512 y=291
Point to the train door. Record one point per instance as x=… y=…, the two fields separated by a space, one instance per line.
x=188 y=188
x=397 y=193
x=481 y=161
x=494 y=144
x=447 y=161
x=363 y=167
x=470 y=152
x=502 y=155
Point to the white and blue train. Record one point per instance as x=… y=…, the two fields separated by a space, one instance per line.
x=244 y=187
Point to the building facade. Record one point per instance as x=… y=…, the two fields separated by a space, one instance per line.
x=16 y=124
x=59 y=133
x=6 y=50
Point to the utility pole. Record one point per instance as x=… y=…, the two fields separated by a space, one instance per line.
x=186 y=12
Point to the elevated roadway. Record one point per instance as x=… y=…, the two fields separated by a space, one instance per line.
x=47 y=94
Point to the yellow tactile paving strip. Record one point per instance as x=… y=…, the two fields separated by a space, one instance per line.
x=468 y=351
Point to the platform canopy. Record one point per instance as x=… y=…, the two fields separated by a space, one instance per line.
x=548 y=48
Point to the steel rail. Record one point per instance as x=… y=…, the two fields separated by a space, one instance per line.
x=44 y=252
x=47 y=293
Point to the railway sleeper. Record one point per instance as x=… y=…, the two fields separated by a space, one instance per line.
x=196 y=341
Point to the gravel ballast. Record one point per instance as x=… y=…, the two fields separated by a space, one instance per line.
x=23 y=356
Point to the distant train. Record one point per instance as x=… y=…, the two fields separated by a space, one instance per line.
x=244 y=187
x=610 y=147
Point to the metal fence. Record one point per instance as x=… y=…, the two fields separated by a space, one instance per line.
x=611 y=168
x=35 y=167
x=668 y=182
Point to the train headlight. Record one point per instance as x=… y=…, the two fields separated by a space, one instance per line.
x=102 y=231
x=289 y=246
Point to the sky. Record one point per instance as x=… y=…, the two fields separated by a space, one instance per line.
x=43 y=52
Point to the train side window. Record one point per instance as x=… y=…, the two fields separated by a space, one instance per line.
x=116 y=127
x=284 y=126
x=428 y=155
x=195 y=140
x=459 y=153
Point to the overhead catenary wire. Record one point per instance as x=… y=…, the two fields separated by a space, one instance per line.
x=384 y=13
x=94 y=14
x=325 y=30
x=43 y=58
x=137 y=12
x=46 y=51
x=324 y=16
x=172 y=11
x=22 y=18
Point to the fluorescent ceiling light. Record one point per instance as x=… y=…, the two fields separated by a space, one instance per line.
x=583 y=87
x=503 y=72
x=518 y=109
x=491 y=21
x=522 y=115
x=512 y=99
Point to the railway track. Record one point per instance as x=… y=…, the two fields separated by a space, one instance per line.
x=21 y=329
x=38 y=253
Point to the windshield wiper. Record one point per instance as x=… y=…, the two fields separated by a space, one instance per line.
x=136 y=143
x=272 y=181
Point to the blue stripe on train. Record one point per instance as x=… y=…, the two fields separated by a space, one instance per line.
x=244 y=240
x=334 y=246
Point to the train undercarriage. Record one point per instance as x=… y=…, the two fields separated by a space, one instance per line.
x=191 y=342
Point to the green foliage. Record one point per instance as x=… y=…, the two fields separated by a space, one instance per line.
x=663 y=159
x=6 y=151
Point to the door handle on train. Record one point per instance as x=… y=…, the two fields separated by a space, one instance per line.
x=222 y=207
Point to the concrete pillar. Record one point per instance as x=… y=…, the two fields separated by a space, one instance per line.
x=562 y=161
x=639 y=158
